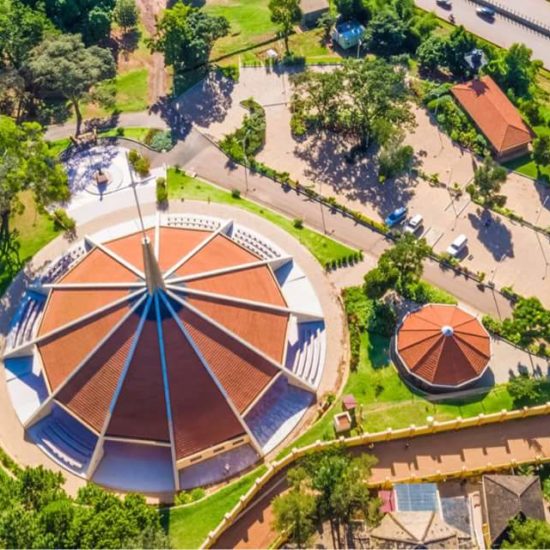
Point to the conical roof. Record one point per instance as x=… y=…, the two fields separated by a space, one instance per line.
x=179 y=361
x=443 y=345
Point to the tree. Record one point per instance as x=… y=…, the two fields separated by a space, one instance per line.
x=27 y=163
x=524 y=389
x=431 y=53
x=541 y=151
x=126 y=14
x=294 y=515
x=386 y=34
x=366 y=99
x=488 y=179
x=326 y=22
x=285 y=13
x=352 y=9
x=514 y=70
x=528 y=533
x=460 y=43
x=64 y=66
x=185 y=35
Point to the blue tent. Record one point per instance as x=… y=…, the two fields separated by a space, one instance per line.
x=348 y=34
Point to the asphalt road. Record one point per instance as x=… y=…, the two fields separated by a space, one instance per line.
x=501 y=31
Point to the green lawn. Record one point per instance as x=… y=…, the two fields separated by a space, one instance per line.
x=323 y=248
x=34 y=230
x=387 y=402
x=250 y=24
x=131 y=91
x=188 y=526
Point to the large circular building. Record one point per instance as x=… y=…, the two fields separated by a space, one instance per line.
x=442 y=348
x=167 y=356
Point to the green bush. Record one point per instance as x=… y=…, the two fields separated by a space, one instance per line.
x=235 y=193
x=525 y=390
x=62 y=221
x=162 y=141
x=162 y=191
x=186 y=497
x=140 y=163
x=149 y=136
x=297 y=126
x=383 y=320
x=422 y=292
x=394 y=160
x=298 y=223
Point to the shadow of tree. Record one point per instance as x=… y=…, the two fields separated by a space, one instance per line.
x=327 y=158
x=496 y=237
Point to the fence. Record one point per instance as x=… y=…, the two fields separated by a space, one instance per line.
x=387 y=435
x=533 y=24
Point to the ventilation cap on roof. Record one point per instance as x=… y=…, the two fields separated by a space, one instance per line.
x=446 y=330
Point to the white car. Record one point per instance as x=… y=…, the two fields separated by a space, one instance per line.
x=413 y=224
x=457 y=246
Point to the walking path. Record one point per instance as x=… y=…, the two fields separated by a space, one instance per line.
x=522 y=440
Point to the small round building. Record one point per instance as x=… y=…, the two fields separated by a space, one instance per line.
x=442 y=348
x=168 y=356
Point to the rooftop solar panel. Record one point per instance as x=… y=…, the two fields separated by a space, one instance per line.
x=416 y=497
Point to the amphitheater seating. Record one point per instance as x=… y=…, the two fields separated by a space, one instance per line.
x=277 y=412
x=63 y=264
x=306 y=356
x=261 y=247
x=24 y=323
x=194 y=222
x=66 y=440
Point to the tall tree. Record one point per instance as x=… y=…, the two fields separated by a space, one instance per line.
x=27 y=163
x=488 y=179
x=63 y=65
x=541 y=151
x=460 y=43
x=185 y=35
x=285 y=14
x=431 y=53
x=386 y=34
x=126 y=14
x=294 y=515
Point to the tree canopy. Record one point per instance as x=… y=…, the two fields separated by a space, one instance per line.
x=185 y=35
x=366 y=99
x=285 y=13
x=36 y=512
x=126 y=14
x=529 y=533
x=27 y=163
x=63 y=65
x=488 y=179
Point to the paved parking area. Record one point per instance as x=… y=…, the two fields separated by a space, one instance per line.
x=501 y=251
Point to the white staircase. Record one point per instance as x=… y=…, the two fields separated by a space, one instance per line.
x=23 y=327
x=306 y=352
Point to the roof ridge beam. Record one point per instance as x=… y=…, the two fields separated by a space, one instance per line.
x=37 y=413
x=197 y=248
x=77 y=286
x=157 y=236
x=167 y=399
x=26 y=348
x=297 y=379
x=229 y=269
x=115 y=256
x=98 y=450
x=301 y=315
x=219 y=385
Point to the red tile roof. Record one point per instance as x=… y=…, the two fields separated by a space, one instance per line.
x=443 y=345
x=207 y=373
x=493 y=113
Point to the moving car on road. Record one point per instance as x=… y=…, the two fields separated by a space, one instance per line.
x=457 y=246
x=413 y=224
x=447 y=4
x=396 y=217
x=485 y=12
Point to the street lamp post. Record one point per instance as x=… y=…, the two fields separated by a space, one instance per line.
x=245 y=162
x=546 y=263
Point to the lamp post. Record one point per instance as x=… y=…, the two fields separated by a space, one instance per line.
x=538 y=237
x=245 y=162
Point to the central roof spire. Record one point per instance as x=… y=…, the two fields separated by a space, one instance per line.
x=153 y=274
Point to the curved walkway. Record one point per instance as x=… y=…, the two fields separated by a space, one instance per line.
x=524 y=440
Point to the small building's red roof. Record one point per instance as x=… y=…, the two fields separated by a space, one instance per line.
x=443 y=345
x=493 y=113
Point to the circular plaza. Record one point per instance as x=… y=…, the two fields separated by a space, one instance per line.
x=170 y=355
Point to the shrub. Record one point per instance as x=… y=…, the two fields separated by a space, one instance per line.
x=162 y=191
x=162 y=141
x=298 y=223
x=119 y=131
x=235 y=193
x=186 y=497
x=297 y=126
x=384 y=319
x=394 y=160
x=525 y=390
x=140 y=163
x=63 y=221
x=151 y=133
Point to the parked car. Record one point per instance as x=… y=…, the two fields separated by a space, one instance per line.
x=413 y=224
x=457 y=246
x=396 y=217
x=447 y=4
x=484 y=11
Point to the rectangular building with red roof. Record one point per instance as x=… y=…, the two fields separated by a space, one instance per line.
x=495 y=115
